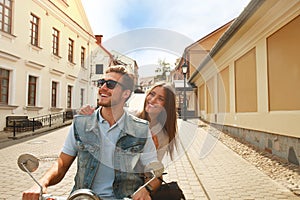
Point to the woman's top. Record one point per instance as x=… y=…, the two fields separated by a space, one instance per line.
x=161 y=140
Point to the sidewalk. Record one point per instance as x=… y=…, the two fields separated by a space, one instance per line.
x=7 y=138
x=222 y=173
x=204 y=168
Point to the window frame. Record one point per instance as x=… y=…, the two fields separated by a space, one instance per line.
x=81 y=97
x=34 y=30
x=32 y=84
x=6 y=19
x=7 y=78
x=54 y=93
x=69 y=96
x=55 y=41
x=71 y=50
x=82 y=56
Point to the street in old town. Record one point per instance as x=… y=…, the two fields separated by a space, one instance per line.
x=204 y=167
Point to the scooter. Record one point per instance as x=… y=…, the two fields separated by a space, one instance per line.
x=29 y=163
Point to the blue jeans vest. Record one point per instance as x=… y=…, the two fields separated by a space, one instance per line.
x=130 y=144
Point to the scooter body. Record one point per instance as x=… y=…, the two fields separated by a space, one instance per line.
x=29 y=163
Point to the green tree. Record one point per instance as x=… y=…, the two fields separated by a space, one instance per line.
x=161 y=70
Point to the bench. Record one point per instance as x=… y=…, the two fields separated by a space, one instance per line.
x=19 y=120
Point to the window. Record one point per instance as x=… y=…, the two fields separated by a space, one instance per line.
x=54 y=95
x=69 y=97
x=4 y=86
x=70 y=50
x=82 y=57
x=55 y=41
x=5 y=15
x=32 y=90
x=81 y=97
x=99 y=68
x=34 y=30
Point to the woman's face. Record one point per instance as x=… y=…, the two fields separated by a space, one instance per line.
x=155 y=101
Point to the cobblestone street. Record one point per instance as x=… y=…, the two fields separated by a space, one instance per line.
x=205 y=168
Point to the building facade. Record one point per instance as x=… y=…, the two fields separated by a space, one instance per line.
x=130 y=64
x=44 y=57
x=248 y=83
x=192 y=56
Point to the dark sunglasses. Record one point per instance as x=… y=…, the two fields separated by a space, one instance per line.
x=110 y=84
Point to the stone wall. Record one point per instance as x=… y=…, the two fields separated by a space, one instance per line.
x=282 y=146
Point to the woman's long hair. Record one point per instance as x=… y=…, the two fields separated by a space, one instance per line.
x=168 y=118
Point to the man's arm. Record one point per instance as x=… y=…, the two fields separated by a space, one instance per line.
x=53 y=176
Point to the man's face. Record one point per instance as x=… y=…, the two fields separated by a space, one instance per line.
x=110 y=96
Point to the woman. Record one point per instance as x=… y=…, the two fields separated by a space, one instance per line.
x=160 y=110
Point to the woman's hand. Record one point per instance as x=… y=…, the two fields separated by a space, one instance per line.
x=86 y=110
x=143 y=194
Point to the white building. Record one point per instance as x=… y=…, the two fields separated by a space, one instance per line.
x=129 y=63
x=44 y=57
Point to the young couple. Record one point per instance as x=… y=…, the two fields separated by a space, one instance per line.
x=112 y=147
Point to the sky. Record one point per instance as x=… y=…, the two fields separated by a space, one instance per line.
x=152 y=30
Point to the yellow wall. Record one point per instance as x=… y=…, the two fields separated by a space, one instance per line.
x=223 y=91
x=201 y=98
x=210 y=96
x=263 y=64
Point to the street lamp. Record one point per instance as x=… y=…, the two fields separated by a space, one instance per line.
x=184 y=68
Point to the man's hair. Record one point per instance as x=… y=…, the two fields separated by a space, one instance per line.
x=127 y=78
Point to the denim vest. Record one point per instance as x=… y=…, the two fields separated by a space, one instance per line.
x=130 y=144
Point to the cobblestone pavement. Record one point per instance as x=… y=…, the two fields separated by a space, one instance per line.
x=204 y=168
x=280 y=170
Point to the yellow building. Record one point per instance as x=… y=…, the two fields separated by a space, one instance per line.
x=248 y=83
x=193 y=55
x=44 y=57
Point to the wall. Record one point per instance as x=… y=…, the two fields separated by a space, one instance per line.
x=262 y=83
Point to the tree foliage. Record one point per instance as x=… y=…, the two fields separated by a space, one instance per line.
x=161 y=70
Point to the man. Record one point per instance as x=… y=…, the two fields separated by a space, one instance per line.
x=112 y=147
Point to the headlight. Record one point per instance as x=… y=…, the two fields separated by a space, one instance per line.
x=83 y=194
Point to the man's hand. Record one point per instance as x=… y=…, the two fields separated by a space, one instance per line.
x=33 y=193
x=86 y=110
x=53 y=176
x=143 y=194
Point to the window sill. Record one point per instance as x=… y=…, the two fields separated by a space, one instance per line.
x=8 y=36
x=56 y=57
x=32 y=108
x=54 y=109
x=71 y=63
x=7 y=107
x=35 y=48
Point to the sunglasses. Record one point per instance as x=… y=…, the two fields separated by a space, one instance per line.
x=110 y=84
